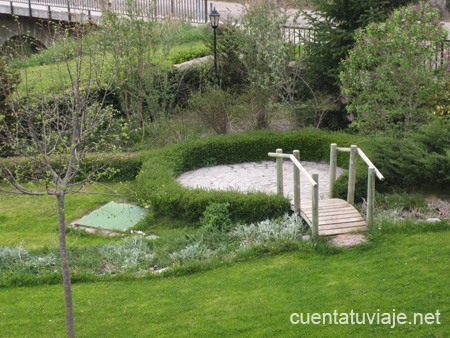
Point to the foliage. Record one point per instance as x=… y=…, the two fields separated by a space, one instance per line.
x=20 y=260
x=133 y=254
x=388 y=77
x=187 y=52
x=194 y=252
x=119 y=166
x=287 y=229
x=231 y=70
x=214 y=108
x=411 y=163
x=439 y=105
x=403 y=201
x=144 y=51
x=315 y=110
x=265 y=56
x=216 y=217
x=8 y=82
x=335 y=23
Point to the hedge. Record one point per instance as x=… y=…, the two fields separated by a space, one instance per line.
x=167 y=196
x=421 y=162
x=122 y=166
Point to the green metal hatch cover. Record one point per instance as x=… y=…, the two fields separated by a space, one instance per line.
x=114 y=216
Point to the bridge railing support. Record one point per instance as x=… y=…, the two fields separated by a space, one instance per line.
x=370 y=195
x=333 y=164
x=297 y=192
x=372 y=172
x=314 y=180
x=315 y=207
x=279 y=172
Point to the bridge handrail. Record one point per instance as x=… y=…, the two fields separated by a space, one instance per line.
x=297 y=164
x=365 y=159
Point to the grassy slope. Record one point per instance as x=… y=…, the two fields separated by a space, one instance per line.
x=408 y=273
x=35 y=223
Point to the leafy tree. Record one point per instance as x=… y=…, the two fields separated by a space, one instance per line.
x=388 y=78
x=335 y=23
x=8 y=81
x=141 y=47
x=265 y=57
x=55 y=123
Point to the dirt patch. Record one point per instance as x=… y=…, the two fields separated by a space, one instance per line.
x=347 y=240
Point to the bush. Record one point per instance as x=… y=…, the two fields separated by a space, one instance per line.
x=412 y=163
x=214 y=108
x=216 y=217
x=287 y=229
x=388 y=78
x=188 y=52
x=123 y=166
x=334 y=23
x=132 y=255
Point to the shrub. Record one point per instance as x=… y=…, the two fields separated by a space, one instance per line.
x=334 y=23
x=216 y=217
x=388 y=78
x=132 y=255
x=22 y=261
x=411 y=163
x=287 y=229
x=188 y=52
x=214 y=108
x=194 y=252
x=123 y=166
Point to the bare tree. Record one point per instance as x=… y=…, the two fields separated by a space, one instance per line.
x=55 y=121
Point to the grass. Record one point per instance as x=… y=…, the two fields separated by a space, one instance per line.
x=52 y=78
x=408 y=273
x=35 y=223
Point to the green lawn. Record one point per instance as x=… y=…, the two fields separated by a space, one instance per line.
x=33 y=221
x=408 y=273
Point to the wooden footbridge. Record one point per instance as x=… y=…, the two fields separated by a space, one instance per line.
x=332 y=216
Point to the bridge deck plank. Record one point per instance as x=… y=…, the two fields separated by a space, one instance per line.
x=336 y=217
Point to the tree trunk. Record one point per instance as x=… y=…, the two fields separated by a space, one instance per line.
x=70 y=327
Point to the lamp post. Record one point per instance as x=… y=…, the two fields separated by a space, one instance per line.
x=214 y=17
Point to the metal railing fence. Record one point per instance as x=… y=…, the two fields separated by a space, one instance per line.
x=188 y=10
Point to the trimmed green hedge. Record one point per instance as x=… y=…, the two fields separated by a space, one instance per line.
x=167 y=196
x=123 y=166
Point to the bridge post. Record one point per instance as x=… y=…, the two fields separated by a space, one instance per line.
x=315 y=208
x=352 y=175
x=370 y=196
x=279 y=173
x=297 y=202
x=333 y=160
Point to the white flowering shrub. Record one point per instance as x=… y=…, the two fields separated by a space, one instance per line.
x=269 y=232
x=194 y=252
x=132 y=255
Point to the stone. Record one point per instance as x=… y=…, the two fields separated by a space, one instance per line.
x=347 y=240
